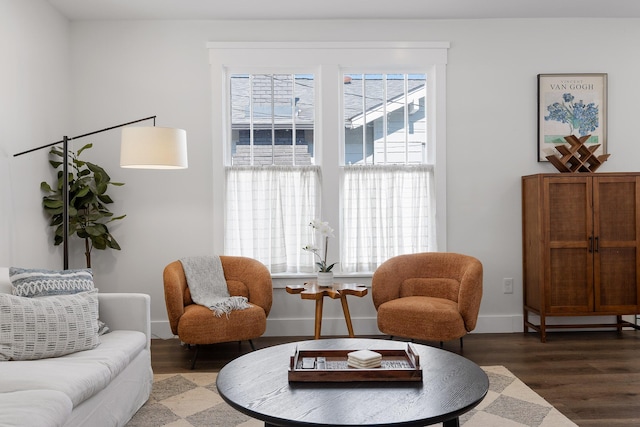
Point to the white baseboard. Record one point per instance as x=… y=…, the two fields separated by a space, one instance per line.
x=361 y=326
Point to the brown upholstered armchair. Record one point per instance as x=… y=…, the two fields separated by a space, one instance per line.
x=431 y=296
x=195 y=324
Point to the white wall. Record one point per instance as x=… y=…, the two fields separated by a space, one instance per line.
x=34 y=111
x=126 y=70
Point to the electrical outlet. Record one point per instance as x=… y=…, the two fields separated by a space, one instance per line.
x=507 y=285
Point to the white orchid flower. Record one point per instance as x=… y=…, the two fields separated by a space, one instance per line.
x=326 y=231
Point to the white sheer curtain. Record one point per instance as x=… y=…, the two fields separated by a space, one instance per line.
x=268 y=211
x=388 y=210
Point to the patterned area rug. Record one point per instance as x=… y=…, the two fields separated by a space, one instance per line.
x=191 y=400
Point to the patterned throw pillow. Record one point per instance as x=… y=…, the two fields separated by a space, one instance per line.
x=37 y=328
x=31 y=282
x=28 y=282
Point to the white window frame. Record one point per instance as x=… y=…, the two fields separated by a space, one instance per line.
x=328 y=61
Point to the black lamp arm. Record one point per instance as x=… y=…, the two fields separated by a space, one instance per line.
x=87 y=134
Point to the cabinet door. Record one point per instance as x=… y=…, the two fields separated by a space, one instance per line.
x=569 y=281
x=616 y=240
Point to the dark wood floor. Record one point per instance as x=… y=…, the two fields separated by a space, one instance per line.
x=591 y=377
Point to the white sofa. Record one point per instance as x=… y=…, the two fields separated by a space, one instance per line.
x=104 y=386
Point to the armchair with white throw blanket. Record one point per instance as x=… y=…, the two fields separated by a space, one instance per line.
x=200 y=312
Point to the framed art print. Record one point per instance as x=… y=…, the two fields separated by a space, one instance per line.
x=571 y=104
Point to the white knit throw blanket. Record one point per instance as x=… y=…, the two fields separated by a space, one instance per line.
x=208 y=286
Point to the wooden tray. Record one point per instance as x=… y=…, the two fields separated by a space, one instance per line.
x=397 y=365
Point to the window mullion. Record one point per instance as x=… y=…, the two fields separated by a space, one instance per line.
x=293 y=118
x=251 y=118
x=385 y=123
x=364 y=120
x=406 y=119
x=273 y=120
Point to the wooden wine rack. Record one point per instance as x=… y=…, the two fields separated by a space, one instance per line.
x=577 y=157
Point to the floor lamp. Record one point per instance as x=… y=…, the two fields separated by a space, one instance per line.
x=141 y=147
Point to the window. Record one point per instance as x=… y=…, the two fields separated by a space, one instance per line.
x=272 y=187
x=351 y=133
x=388 y=194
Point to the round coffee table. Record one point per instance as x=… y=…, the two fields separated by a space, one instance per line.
x=257 y=384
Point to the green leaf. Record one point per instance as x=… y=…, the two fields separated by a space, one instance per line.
x=99 y=242
x=57 y=151
x=101 y=188
x=44 y=186
x=113 y=244
x=104 y=198
x=95 y=230
x=82 y=191
x=86 y=147
x=97 y=170
x=51 y=203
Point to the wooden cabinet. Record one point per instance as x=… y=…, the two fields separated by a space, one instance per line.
x=581 y=248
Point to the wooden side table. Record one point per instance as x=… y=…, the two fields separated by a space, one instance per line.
x=311 y=290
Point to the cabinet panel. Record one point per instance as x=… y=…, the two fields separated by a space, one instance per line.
x=617 y=289
x=569 y=286
x=569 y=216
x=616 y=248
x=616 y=210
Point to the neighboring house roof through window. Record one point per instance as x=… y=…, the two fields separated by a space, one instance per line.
x=287 y=106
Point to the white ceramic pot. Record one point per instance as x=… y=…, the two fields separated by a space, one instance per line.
x=325 y=278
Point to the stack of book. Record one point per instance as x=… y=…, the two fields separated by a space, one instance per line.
x=364 y=359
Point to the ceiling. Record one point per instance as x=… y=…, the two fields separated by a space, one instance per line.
x=340 y=9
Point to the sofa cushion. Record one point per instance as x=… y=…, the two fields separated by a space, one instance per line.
x=32 y=282
x=39 y=407
x=36 y=328
x=427 y=318
x=78 y=375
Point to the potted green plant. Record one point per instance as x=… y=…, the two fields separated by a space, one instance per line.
x=88 y=213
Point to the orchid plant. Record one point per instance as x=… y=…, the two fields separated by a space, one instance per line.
x=325 y=232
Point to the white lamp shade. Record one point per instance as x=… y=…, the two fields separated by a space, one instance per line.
x=153 y=148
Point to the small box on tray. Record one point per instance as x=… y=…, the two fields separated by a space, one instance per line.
x=364 y=359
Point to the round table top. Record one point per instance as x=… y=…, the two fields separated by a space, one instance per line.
x=257 y=384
